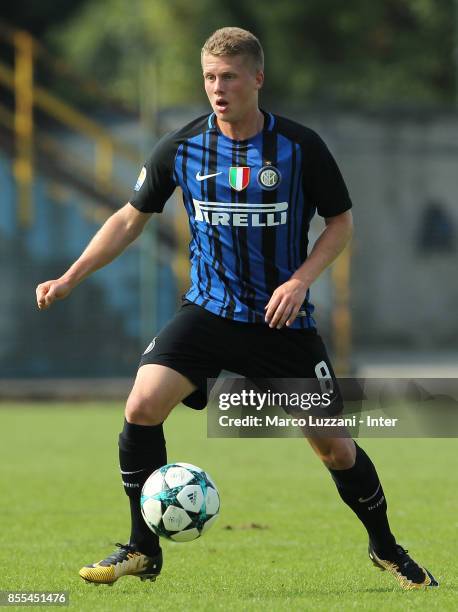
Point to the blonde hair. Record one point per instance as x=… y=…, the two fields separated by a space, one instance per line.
x=235 y=41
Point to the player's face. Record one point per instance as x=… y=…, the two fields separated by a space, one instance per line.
x=232 y=85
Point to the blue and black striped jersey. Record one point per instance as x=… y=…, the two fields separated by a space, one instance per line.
x=249 y=205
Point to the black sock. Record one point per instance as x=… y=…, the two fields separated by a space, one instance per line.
x=360 y=488
x=141 y=451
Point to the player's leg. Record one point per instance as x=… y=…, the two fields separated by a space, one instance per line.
x=351 y=469
x=360 y=488
x=301 y=354
x=142 y=450
x=174 y=368
x=358 y=485
x=157 y=390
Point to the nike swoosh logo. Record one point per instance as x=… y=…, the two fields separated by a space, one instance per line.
x=136 y=471
x=361 y=500
x=203 y=177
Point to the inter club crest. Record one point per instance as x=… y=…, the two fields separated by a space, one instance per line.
x=269 y=177
x=239 y=177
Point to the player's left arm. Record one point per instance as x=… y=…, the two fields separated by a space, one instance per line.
x=288 y=298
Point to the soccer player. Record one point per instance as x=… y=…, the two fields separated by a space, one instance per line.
x=251 y=182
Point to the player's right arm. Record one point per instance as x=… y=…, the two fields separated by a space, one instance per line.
x=154 y=187
x=115 y=235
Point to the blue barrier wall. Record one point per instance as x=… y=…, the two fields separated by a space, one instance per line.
x=97 y=330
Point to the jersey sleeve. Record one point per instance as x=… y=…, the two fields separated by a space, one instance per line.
x=323 y=181
x=156 y=182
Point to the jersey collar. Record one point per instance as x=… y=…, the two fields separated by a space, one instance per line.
x=269 y=121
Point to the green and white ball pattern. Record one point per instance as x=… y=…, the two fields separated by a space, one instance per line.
x=179 y=501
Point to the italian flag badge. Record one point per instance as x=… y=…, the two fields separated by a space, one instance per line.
x=239 y=177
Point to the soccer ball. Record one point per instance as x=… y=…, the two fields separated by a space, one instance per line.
x=179 y=501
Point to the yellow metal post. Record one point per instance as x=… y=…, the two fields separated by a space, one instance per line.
x=104 y=163
x=23 y=125
x=341 y=317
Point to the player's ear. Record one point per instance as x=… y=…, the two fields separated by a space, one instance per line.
x=259 y=79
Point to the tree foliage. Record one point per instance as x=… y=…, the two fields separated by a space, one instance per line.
x=382 y=52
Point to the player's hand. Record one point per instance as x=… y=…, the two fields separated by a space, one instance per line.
x=50 y=291
x=285 y=302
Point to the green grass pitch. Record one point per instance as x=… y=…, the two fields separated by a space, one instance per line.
x=284 y=540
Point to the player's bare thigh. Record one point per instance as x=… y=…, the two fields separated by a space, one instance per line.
x=156 y=391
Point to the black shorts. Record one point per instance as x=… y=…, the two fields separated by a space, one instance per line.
x=199 y=344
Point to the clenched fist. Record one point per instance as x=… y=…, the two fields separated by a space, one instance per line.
x=50 y=291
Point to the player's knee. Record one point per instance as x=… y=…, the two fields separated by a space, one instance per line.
x=143 y=410
x=338 y=455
